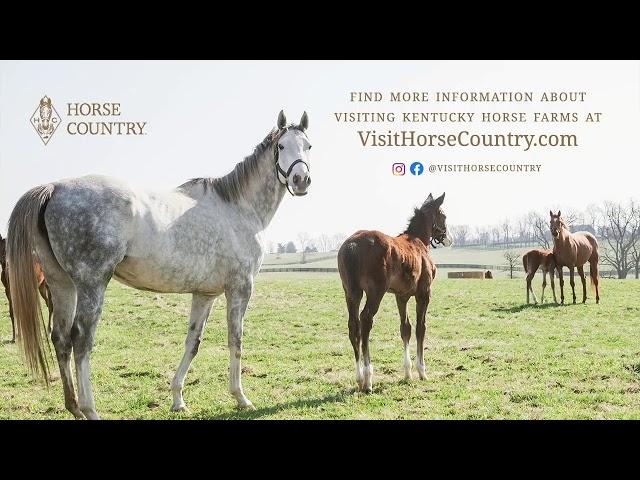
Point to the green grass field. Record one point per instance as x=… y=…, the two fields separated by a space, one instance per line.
x=487 y=356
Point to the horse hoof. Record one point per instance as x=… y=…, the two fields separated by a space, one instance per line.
x=179 y=408
x=247 y=406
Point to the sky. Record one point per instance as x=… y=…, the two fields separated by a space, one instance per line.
x=204 y=116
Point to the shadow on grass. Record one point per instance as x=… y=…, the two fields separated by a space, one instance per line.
x=523 y=307
x=266 y=411
x=341 y=396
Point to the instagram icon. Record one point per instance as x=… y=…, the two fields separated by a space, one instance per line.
x=398 y=168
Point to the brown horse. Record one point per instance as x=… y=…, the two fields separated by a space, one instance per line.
x=544 y=259
x=42 y=286
x=375 y=263
x=573 y=250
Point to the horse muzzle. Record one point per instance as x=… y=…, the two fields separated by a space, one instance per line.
x=301 y=184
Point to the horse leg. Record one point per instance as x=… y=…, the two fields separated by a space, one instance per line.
x=561 y=279
x=353 y=306
x=573 y=283
x=7 y=291
x=422 y=302
x=88 y=312
x=544 y=285
x=593 y=273
x=530 y=276
x=405 y=333
x=200 y=309
x=237 y=302
x=553 y=287
x=584 y=283
x=64 y=292
x=366 y=323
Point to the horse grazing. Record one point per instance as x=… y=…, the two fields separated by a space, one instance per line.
x=43 y=288
x=573 y=250
x=543 y=259
x=204 y=238
x=375 y=263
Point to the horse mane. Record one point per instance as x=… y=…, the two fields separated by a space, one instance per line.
x=418 y=224
x=232 y=186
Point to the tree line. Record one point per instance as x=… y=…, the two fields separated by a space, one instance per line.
x=308 y=244
x=615 y=225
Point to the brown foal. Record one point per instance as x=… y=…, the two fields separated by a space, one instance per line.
x=376 y=263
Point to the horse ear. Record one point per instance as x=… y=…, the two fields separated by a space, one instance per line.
x=304 y=121
x=427 y=202
x=439 y=200
x=550 y=213
x=558 y=213
x=282 y=120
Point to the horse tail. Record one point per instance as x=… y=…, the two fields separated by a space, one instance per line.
x=348 y=265
x=524 y=263
x=25 y=223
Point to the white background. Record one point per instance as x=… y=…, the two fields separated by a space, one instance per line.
x=204 y=117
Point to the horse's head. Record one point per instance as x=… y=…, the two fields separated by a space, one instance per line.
x=292 y=148
x=431 y=214
x=555 y=224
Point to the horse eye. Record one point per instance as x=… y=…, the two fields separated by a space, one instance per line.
x=280 y=146
x=309 y=147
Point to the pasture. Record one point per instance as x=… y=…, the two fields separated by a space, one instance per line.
x=487 y=356
x=455 y=255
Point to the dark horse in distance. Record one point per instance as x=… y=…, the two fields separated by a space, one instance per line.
x=376 y=263
x=4 y=278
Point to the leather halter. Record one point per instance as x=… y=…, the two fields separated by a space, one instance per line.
x=278 y=168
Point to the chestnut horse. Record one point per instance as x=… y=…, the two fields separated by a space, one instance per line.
x=42 y=286
x=573 y=250
x=375 y=263
x=544 y=259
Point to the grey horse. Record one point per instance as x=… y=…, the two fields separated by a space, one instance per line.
x=205 y=238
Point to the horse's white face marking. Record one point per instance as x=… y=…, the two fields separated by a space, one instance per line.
x=294 y=145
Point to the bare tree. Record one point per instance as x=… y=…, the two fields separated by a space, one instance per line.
x=304 y=240
x=483 y=235
x=324 y=242
x=513 y=258
x=495 y=234
x=591 y=215
x=337 y=240
x=524 y=229
x=572 y=217
x=463 y=234
x=635 y=246
x=620 y=233
x=506 y=230
x=539 y=229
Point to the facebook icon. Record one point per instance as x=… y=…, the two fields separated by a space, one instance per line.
x=416 y=168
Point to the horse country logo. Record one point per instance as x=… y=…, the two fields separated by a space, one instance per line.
x=45 y=119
